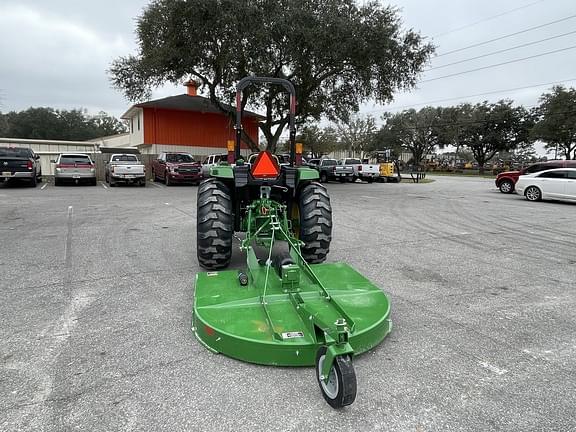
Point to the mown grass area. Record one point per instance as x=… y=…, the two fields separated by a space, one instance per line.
x=467 y=173
x=408 y=180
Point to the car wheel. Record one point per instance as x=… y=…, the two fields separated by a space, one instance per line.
x=533 y=193
x=506 y=186
x=57 y=182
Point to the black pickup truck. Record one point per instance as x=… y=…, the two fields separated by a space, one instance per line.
x=20 y=163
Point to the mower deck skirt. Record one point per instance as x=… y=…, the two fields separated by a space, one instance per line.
x=230 y=319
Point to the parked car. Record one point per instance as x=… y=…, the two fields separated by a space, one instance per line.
x=125 y=168
x=506 y=180
x=557 y=183
x=74 y=168
x=211 y=161
x=331 y=169
x=20 y=163
x=363 y=171
x=176 y=168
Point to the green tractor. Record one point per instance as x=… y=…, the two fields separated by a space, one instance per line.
x=288 y=307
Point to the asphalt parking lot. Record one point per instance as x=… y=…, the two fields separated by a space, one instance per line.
x=96 y=288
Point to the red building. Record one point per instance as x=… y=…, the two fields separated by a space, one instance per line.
x=187 y=122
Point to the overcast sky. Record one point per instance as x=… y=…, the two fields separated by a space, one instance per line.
x=55 y=53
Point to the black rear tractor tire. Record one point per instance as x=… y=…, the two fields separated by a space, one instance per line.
x=315 y=222
x=215 y=225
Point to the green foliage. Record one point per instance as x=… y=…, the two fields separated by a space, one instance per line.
x=49 y=123
x=488 y=128
x=337 y=54
x=556 y=120
x=357 y=135
x=317 y=141
x=418 y=132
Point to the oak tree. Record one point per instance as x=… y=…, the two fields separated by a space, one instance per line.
x=337 y=53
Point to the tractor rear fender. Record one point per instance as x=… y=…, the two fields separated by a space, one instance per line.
x=307 y=174
x=222 y=171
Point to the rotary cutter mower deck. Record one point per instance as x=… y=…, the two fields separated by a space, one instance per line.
x=288 y=308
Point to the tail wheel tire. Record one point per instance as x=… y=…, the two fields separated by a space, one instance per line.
x=533 y=193
x=315 y=228
x=215 y=225
x=340 y=388
x=506 y=187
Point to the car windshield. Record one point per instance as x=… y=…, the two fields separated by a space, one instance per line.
x=124 y=158
x=179 y=158
x=74 y=159
x=15 y=152
x=353 y=161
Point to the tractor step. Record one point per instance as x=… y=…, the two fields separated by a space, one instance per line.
x=230 y=318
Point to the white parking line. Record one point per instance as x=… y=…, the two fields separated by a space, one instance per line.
x=103 y=185
x=43 y=187
x=157 y=185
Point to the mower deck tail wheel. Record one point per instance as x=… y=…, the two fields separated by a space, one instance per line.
x=340 y=388
x=315 y=223
x=215 y=225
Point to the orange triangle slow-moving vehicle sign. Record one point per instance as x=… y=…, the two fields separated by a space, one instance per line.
x=265 y=166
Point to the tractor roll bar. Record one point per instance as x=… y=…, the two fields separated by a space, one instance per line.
x=245 y=82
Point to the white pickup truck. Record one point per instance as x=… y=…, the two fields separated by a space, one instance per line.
x=363 y=171
x=125 y=168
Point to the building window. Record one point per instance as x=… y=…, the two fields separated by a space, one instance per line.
x=132 y=125
x=138 y=121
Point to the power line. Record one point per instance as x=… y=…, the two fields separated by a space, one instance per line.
x=487 y=19
x=472 y=122
x=500 y=51
x=507 y=36
x=473 y=95
x=500 y=64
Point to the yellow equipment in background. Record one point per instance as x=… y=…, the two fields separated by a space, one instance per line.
x=389 y=169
